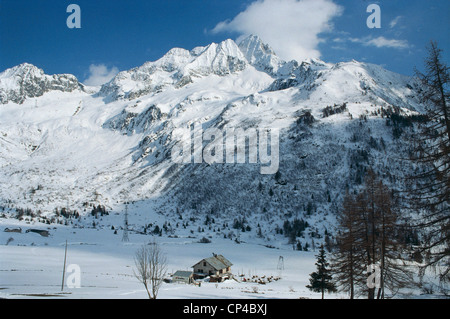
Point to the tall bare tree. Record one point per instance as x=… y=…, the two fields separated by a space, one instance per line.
x=395 y=273
x=347 y=260
x=368 y=242
x=430 y=189
x=150 y=267
x=385 y=246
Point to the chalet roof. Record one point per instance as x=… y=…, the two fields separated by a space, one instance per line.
x=218 y=262
x=182 y=273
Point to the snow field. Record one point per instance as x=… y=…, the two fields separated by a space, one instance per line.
x=31 y=266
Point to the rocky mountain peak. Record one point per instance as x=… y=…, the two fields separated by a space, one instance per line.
x=260 y=55
x=28 y=81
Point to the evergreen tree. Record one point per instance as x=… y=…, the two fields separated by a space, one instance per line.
x=430 y=187
x=321 y=280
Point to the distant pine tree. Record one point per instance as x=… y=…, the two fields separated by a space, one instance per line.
x=321 y=280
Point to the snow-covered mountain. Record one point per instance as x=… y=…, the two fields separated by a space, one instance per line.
x=63 y=145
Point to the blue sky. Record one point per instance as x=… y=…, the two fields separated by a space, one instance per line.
x=122 y=34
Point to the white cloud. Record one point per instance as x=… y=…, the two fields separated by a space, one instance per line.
x=291 y=27
x=382 y=42
x=394 y=22
x=379 y=42
x=100 y=74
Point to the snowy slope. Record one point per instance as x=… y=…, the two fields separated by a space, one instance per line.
x=31 y=265
x=63 y=144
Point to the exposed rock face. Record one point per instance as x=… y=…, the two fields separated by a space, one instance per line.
x=28 y=81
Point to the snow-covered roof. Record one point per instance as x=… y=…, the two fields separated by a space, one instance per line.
x=182 y=273
x=217 y=262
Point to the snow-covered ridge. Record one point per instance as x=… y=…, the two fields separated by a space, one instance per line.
x=180 y=67
x=65 y=144
x=28 y=81
x=176 y=68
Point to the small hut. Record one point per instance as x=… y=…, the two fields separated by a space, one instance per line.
x=183 y=276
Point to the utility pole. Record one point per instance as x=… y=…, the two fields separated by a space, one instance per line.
x=280 y=265
x=125 y=225
x=64 y=268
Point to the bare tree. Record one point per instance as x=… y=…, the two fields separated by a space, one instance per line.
x=347 y=260
x=395 y=272
x=368 y=236
x=384 y=246
x=150 y=267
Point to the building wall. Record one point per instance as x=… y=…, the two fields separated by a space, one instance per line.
x=182 y=280
x=205 y=268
